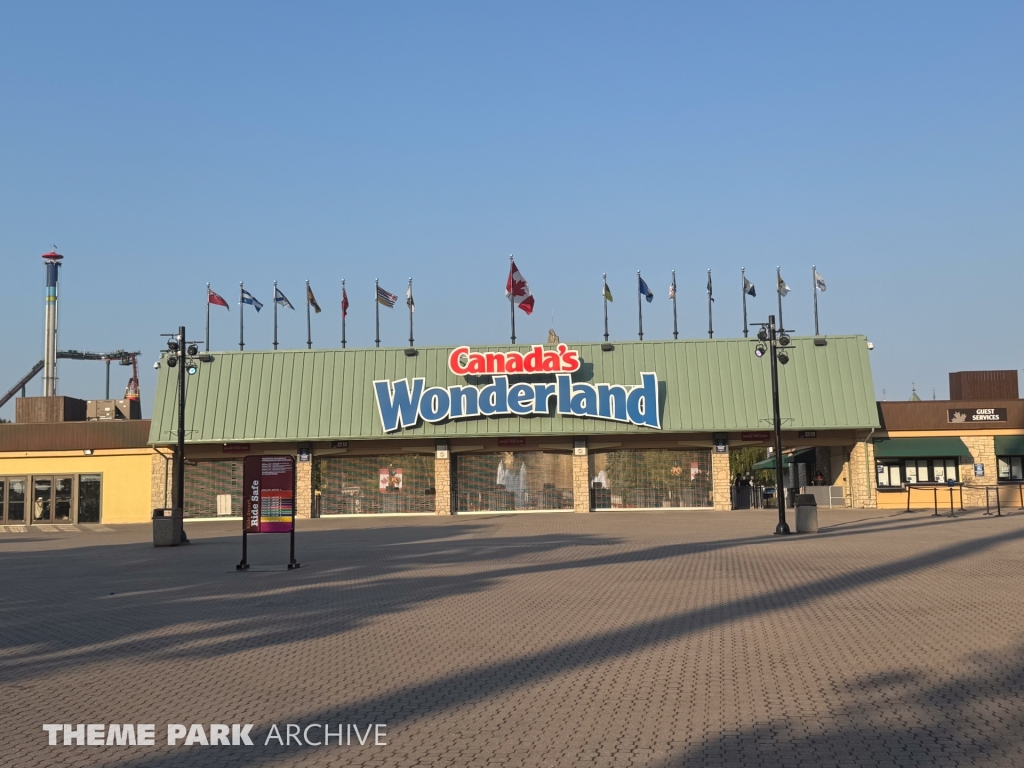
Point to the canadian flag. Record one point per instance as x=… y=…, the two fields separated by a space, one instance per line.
x=518 y=291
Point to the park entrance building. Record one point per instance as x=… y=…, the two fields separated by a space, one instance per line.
x=449 y=430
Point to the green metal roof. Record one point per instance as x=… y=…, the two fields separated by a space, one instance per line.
x=919 y=447
x=1009 y=445
x=707 y=386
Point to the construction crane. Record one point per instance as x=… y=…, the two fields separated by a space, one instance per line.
x=122 y=357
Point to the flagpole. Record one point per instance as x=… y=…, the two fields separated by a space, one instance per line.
x=711 y=330
x=814 y=283
x=778 y=290
x=207 y=317
x=512 y=299
x=376 y=306
x=639 y=306
x=309 y=328
x=675 y=317
x=343 y=313
x=604 y=295
x=410 y=316
x=241 y=319
x=743 y=290
x=275 y=314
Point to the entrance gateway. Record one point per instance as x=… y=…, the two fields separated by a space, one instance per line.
x=443 y=430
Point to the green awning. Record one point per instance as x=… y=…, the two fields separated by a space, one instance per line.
x=1010 y=445
x=769 y=463
x=919 y=447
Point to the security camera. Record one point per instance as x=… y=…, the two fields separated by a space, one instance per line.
x=870 y=346
x=156 y=365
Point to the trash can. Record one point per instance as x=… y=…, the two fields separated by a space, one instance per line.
x=806 y=513
x=167 y=527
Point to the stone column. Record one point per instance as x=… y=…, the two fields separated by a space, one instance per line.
x=160 y=479
x=442 y=479
x=304 y=487
x=721 y=481
x=862 y=476
x=580 y=476
x=983 y=451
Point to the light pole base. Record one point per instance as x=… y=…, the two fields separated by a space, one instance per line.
x=782 y=529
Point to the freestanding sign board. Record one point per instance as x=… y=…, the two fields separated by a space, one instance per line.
x=268 y=488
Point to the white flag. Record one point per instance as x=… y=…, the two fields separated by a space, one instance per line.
x=783 y=288
x=819 y=281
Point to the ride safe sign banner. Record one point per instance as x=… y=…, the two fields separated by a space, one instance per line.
x=403 y=404
x=268 y=484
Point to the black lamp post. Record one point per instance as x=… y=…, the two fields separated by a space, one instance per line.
x=178 y=348
x=776 y=341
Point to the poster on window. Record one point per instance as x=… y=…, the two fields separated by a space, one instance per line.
x=390 y=479
x=268 y=486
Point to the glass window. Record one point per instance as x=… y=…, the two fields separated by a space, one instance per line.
x=1010 y=467
x=16 y=500
x=62 y=500
x=3 y=498
x=952 y=469
x=88 y=498
x=888 y=475
x=939 y=471
x=911 y=472
x=42 y=499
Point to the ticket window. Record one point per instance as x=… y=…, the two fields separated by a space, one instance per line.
x=1011 y=467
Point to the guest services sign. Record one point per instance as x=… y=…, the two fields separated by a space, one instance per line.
x=402 y=404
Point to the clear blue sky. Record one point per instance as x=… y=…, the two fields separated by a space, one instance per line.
x=164 y=146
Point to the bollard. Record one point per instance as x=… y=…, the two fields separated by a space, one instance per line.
x=806 y=513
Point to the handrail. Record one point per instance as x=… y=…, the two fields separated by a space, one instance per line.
x=935 y=495
x=999 y=506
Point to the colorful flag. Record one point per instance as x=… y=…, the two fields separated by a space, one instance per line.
x=216 y=298
x=248 y=298
x=782 y=288
x=344 y=303
x=408 y=298
x=644 y=290
x=280 y=298
x=710 y=295
x=385 y=298
x=518 y=291
x=819 y=281
x=607 y=292
x=671 y=291
x=312 y=299
x=748 y=287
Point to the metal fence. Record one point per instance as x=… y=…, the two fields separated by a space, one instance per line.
x=648 y=479
x=372 y=485
x=206 y=480
x=511 y=480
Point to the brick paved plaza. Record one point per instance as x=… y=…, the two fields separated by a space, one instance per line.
x=655 y=639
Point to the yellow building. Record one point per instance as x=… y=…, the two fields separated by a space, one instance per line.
x=970 y=447
x=75 y=472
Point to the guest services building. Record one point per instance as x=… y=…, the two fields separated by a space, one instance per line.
x=450 y=430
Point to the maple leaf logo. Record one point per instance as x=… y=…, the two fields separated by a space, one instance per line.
x=958 y=418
